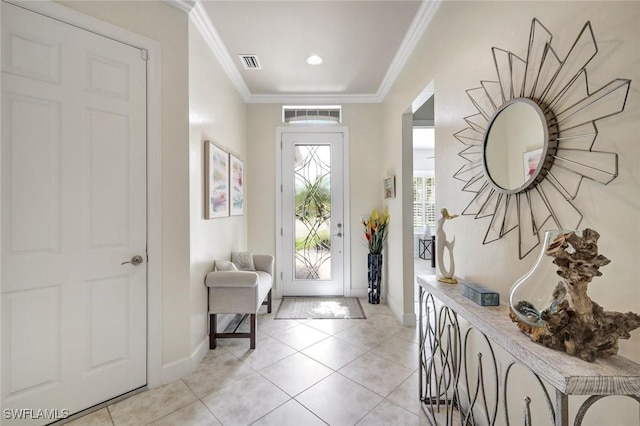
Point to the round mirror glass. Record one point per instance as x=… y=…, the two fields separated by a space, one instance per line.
x=514 y=145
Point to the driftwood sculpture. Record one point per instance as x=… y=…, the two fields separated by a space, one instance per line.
x=574 y=323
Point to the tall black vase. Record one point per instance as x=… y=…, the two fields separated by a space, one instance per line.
x=375 y=276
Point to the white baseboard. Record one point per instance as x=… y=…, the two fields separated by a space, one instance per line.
x=406 y=319
x=393 y=305
x=199 y=353
x=409 y=320
x=359 y=292
x=175 y=370
x=187 y=365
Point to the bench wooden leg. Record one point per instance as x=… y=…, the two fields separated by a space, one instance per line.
x=252 y=337
x=267 y=302
x=213 y=334
x=212 y=330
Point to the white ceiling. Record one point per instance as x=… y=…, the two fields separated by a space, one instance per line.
x=364 y=44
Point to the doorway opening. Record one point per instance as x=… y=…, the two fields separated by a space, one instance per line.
x=424 y=183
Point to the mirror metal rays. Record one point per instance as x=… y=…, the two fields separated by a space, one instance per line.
x=527 y=184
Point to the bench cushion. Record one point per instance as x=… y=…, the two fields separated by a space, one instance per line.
x=237 y=292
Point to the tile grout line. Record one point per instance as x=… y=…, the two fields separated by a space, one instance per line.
x=209 y=410
x=388 y=335
x=334 y=371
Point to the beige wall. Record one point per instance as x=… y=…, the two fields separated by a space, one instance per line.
x=365 y=178
x=217 y=113
x=169 y=26
x=455 y=53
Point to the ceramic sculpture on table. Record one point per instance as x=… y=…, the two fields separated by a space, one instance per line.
x=441 y=244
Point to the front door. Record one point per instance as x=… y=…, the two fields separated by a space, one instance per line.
x=73 y=218
x=312 y=214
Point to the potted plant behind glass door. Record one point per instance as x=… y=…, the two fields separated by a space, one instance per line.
x=375 y=231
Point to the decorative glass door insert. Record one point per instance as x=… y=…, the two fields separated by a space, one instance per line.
x=312 y=214
x=312 y=174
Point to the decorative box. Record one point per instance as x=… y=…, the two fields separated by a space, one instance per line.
x=482 y=296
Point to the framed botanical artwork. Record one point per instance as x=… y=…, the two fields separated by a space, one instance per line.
x=390 y=187
x=236 y=185
x=216 y=182
x=530 y=160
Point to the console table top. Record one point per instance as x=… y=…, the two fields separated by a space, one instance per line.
x=616 y=375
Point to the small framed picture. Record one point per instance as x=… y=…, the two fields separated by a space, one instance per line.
x=216 y=184
x=530 y=160
x=236 y=185
x=390 y=187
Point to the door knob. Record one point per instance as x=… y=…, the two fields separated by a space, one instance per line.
x=339 y=234
x=135 y=260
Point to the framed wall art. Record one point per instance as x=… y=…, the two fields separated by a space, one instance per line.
x=216 y=182
x=390 y=187
x=236 y=185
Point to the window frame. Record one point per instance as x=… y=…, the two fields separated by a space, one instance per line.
x=424 y=201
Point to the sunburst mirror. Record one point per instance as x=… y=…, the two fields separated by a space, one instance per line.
x=531 y=143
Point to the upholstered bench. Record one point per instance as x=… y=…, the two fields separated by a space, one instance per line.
x=239 y=292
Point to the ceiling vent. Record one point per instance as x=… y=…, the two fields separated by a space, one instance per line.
x=250 y=62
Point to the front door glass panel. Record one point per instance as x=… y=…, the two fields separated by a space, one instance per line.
x=313 y=212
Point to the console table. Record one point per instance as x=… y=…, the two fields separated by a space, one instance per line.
x=459 y=385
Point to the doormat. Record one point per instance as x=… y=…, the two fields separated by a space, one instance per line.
x=320 y=308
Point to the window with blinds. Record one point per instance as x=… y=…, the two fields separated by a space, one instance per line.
x=424 y=202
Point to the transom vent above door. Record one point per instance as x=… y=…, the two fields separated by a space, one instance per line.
x=312 y=114
x=250 y=62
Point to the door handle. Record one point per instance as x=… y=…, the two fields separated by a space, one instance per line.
x=135 y=260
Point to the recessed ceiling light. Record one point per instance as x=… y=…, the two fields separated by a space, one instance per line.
x=314 y=60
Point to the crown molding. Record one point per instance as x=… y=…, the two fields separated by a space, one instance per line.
x=421 y=21
x=205 y=27
x=184 y=5
x=203 y=24
x=312 y=99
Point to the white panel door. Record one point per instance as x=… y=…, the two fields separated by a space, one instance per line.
x=73 y=210
x=312 y=214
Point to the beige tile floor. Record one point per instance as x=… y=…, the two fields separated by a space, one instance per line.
x=311 y=372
